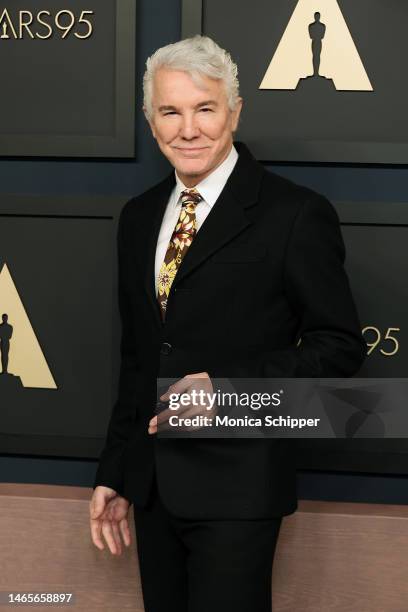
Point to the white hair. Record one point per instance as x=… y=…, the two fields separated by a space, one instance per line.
x=198 y=55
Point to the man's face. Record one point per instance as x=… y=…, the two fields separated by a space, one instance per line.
x=193 y=125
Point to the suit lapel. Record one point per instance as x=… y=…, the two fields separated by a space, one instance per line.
x=226 y=219
x=150 y=229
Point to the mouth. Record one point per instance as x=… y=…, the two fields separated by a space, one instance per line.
x=190 y=149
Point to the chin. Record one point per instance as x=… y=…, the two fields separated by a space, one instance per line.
x=191 y=169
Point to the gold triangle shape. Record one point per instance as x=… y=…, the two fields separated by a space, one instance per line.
x=293 y=58
x=26 y=358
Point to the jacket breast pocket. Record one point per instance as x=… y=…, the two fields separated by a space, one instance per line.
x=240 y=254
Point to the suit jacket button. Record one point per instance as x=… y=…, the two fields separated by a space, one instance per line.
x=166 y=348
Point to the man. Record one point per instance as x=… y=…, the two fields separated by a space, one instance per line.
x=223 y=268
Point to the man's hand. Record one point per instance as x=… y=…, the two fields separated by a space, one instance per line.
x=187 y=384
x=108 y=516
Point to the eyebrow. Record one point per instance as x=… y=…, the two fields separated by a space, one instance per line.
x=205 y=103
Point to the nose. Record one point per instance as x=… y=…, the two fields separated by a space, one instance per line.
x=189 y=128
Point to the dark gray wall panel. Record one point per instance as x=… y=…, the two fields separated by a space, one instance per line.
x=62 y=258
x=69 y=96
x=376 y=238
x=315 y=122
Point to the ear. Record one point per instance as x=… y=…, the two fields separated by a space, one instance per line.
x=236 y=114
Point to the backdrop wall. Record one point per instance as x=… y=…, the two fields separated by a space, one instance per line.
x=158 y=23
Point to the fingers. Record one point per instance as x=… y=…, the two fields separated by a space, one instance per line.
x=108 y=521
x=116 y=538
x=96 y=526
x=96 y=506
x=100 y=498
x=199 y=375
x=113 y=532
x=177 y=387
x=161 y=420
x=109 y=530
x=125 y=531
x=108 y=534
x=152 y=425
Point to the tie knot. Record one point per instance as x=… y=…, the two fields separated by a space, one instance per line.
x=190 y=196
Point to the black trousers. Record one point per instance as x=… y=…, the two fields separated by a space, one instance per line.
x=189 y=565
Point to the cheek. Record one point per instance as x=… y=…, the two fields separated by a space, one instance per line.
x=166 y=131
x=216 y=127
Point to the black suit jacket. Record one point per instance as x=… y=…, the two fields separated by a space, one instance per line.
x=265 y=269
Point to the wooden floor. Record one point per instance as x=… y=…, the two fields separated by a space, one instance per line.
x=331 y=557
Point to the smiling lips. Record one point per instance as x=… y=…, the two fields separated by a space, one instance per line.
x=185 y=151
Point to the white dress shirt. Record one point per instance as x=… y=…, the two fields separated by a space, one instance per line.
x=209 y=188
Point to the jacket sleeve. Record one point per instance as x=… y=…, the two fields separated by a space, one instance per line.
x=110 y=468
x=318 y=290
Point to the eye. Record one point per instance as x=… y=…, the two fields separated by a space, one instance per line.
x=170 y=113
x=205 y=109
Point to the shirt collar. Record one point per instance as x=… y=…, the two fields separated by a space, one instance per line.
x=210 y=187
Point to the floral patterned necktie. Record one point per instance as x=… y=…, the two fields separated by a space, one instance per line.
x=181 y=238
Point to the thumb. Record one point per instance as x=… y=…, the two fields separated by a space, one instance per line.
x=99 y=500
x=97 y=508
